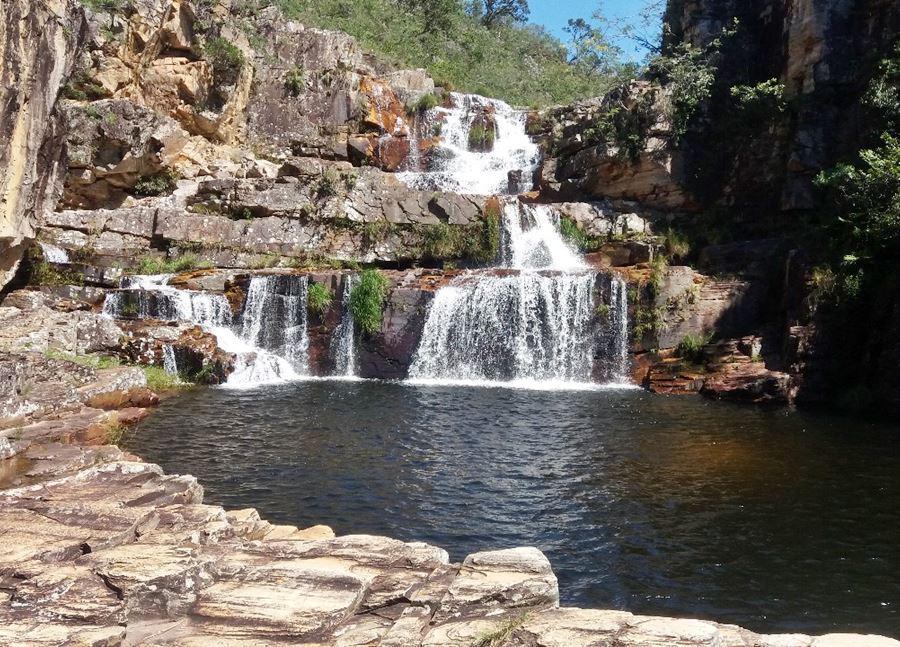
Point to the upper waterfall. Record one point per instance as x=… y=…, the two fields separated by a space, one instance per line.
x=501 y=159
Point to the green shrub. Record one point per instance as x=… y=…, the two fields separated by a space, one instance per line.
x=329 y=183
x=43 y=273
x=159 y=380
x=295 y=81
x=676 y=244
x=427 y=102
x=225 y=57
x=319 y=298
x=367 y=301
x=155 y=185
x=481 y=137
x=443 y=241
x=577 y=237
x=760 y=101
x=691 y=348
x=690 y=73
x=159 y=265
x=658 y=267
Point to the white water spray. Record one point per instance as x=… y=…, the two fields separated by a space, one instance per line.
x=456 y=169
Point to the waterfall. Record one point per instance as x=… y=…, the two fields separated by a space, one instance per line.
x=151 y=297
x=508 y=168
x=170 y=362
x=531 y=240
x=618 y=324
x=270 y=338
x=343 y=340
x=524 y=327
x=275 y=317
x=532 y=322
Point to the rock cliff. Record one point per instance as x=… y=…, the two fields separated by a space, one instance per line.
x=39 y=43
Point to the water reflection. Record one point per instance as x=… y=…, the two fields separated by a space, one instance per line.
x=774 y=520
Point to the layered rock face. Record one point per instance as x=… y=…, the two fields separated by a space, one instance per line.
x=38 y=45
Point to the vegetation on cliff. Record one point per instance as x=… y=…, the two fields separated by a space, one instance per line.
x=478 y=49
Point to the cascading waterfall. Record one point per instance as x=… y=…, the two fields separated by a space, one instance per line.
x=456 y=169
x=533 y=322
x=343 y=340
x=275 y=316
x=270 y=340
x=532 y=325
x=170 y=362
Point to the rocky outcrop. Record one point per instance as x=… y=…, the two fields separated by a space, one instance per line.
x=38 y=46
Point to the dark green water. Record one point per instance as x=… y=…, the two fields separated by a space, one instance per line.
x=779 y=521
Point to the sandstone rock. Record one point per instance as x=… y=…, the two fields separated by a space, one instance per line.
x=39 y=45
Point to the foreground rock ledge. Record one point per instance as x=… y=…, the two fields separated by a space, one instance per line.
x=99 y=549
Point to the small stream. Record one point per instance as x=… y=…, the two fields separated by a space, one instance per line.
x=779 y=521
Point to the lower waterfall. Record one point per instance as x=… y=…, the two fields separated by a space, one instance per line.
x=343 y=340
x=535 y=321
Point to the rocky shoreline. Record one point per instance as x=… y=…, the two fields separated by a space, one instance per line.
x=102 y=549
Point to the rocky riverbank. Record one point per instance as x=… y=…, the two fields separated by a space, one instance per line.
x=101 y=549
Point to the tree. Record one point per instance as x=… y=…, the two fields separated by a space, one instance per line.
x=497 y=11
x=591 y=48
x=437 y=14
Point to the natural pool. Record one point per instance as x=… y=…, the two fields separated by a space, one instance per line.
x=775 y=520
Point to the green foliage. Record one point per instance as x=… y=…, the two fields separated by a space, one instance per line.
x=319 y=298
x=92 y=361
x=658 y=267
x=367 y=301
x=690 y=73
x=626 y=127
x=761 y=101
x=647 y=321
x=159 y=184
x=676 y=244
x=575 y=235
x=43 y=273
x=159 y=380
x=295 y=81
x=481 y=137
x=867 y=198
x=329 y=183
x=690 y=348
x=427 y=102
x=882 y=97
x=225 y=57
x=522 y=64
x=158 y=265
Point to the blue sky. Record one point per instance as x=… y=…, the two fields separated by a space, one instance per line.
x=554 y=14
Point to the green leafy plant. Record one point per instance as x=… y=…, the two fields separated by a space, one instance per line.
x=367 y=301
x=577 y=236
x=319 y=298
x=225 y=57
x=329 y=183
x=481 y=137
x=760 y=101
x=158 y=184
x=159 y=265
x=295 y=81
x=427 y=102
x=691 y=347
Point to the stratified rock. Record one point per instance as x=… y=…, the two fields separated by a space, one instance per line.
x=39 y=45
